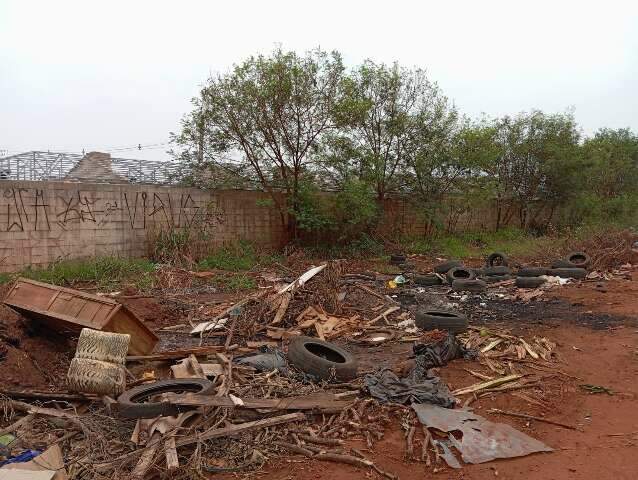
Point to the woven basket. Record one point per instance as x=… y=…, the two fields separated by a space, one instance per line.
x=103 y=346
x=94 y=376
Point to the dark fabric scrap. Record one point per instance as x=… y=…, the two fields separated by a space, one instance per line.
x=385 y=386
x=441 y=352
x=266 y=361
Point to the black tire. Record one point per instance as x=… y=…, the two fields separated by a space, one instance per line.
x=459 y=273
x=443 y=268
x=577 y=273
x=532 y=272
x=561 y=263
x=454 y=322
x=497 y=271
x=497 y=259
x=474 y=286
x=496 y=278
x=397 y=259
x=529 y=282
x=579 y=259
x=427 y=280
x=323 y=360
x=131 y=403
x=478 y=272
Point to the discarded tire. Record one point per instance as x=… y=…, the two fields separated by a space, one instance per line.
x=132 y=402
x=496 y=271
x=496 y=278
x=532 y=272
x=459 y=273
x=427 y=280
x=577 y=273
x=321 y=359
x=497 y=259
x=397 y=259
x=529 y=282
x=442 y=320
x=561 y=263
x=444 y=267
x=474 y=286
x=93 y=376
x=478 y=272
x=103 y=346
x=579 y=259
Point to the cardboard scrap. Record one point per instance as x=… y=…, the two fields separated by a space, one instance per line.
x=49 y=465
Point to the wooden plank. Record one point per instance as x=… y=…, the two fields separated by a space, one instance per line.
x=319 y=402
x=170 y=450
x=242 y=427
x=179 y=354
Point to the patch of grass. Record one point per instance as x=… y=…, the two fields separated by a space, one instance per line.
x=237 y=257
x=511 y=241
x=235 y=283
x=5 y=278
x=106 y=272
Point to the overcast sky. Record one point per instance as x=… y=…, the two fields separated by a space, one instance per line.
x=112 y=74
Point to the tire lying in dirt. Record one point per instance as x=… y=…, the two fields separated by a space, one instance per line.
x=579 y=259
x=529 y=282
x=427 y=280
x=478 y=272
x=443 y=268
x=496 y=278
x=497 y=271
x=321 y=359
x=562 y=263
x=496 y=259
x=474 y=286
x=577 y=273
x=397 y=259
x=459 y=273
x=532 y=272
x=132 y=402
x=431 y=319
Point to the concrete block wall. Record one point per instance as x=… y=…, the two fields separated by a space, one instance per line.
x=42 y=222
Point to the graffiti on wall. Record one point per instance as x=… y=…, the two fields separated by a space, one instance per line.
x=39 y=210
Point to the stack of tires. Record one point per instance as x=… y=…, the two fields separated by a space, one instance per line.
x=462 y=278
x=496 y=268
x=573 y=266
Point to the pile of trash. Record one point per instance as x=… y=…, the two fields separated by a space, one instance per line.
x=264 y=379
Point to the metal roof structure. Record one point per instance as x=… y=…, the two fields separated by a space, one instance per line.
x=38 y=165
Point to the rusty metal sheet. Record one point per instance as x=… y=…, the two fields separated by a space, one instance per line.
x=482 y=440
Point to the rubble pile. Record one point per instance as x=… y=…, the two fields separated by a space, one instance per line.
x=277 y=372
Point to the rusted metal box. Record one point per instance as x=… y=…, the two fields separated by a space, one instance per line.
x=64 y=309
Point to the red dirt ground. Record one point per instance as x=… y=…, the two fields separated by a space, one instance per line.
x=606 y=447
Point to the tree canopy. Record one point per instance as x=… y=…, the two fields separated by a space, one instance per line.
x=300 y=124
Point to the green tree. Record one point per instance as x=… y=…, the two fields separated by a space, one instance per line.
x=538 y=159
x=264 y=119
x=611 y=158
x=392 y=118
